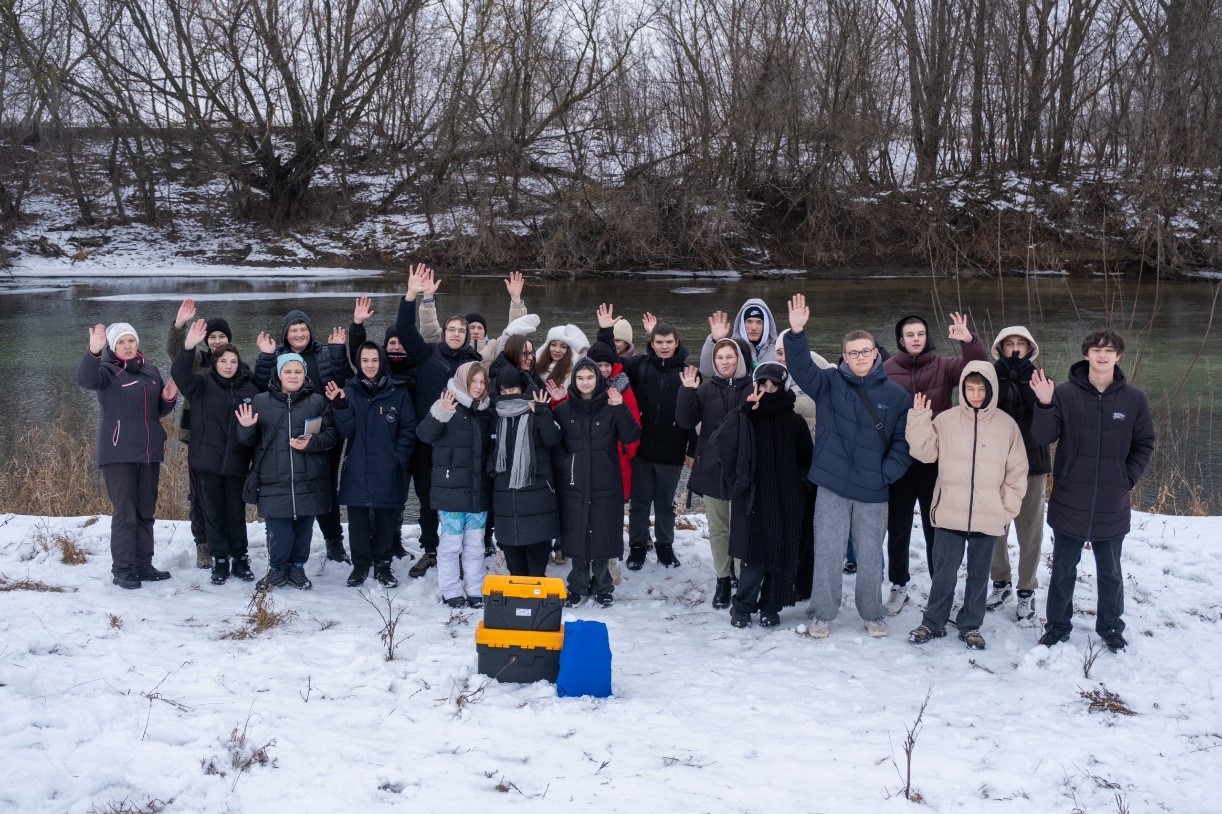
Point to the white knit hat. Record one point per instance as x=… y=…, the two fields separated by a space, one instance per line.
x=117 y=331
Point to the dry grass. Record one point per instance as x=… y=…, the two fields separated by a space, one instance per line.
x=1104 y=700
x=126 y=806
x=27 y=584
x=60 y=543
x=261 y=616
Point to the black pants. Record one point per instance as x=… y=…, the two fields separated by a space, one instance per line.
x=397 y=535
x=220 y=498
x=133 y=494
x=916 y=486
x=755 y=590
x=370 y=534
x=195 y=509
x=422 y=474
x=582 y=582
x=527 y=560
x=329 y=523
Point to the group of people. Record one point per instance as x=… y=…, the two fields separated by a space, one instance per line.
x=800 y=461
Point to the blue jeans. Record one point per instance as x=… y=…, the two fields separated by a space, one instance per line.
x=288 y=541
x=1066 y=552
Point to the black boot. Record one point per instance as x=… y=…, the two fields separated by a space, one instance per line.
x=360 y=572
x=666 y=555
x=335 y=550
x=220 y=570
x=385 y=576
x=240 y=568
x=126 y=579
x=636 y=558
x=721 y=595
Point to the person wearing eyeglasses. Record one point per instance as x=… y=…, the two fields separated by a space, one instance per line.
x=860 y=450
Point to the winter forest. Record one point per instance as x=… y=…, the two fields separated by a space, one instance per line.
x=585 y=135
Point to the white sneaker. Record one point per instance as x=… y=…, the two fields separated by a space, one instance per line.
x=897 y=600
x=1000 y=595
x=819 y=629
x=1026 y=606
x=877 y=628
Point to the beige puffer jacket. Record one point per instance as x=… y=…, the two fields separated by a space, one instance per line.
x=982 y=463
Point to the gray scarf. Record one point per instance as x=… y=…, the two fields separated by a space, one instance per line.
x=522 y=470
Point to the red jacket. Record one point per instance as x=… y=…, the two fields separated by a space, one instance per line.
x=626 y=451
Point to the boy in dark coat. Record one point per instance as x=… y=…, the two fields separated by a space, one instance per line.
x=1106 y=438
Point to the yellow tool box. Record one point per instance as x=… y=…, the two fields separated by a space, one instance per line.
x=519 y=656
x=523 y=603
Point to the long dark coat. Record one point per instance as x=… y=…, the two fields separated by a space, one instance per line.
x=379 y=423
x=214 y=447
x=530 y=514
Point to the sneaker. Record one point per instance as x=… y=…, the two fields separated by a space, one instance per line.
x=850 y=567
x=922 y=634
x=877 y=628
x=1114 y=641
x=240 y=568
x=475 y=602
x=385 y=577
x=457 y=602
x=220 y=571
x=666 y=556
x=1026 y=606
x=427 y=560
x=604 y=600
x=1000 y=595
x=739 y=619
x=126 y=579
x=972 y=638
x=358 y=576
x=721 y=594
x=770 y=619
x=335 y=550
x=203 y=557
x=1051 y=638
x=275 y=578
x=297 y=577
x=150 y=574
x=636 y=558
x=819 y=629
x=897 y=600
x=574 y=600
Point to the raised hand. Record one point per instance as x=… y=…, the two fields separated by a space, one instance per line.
x=186 y=313
x=958 y=328
x=920 y=403
x=170 y=391
x=719 y=325
x=197 y=333
x=415 y=280
x=614 y=397
x=606 y=315
x=430 y=281
x=538 y=400
x=97 y=338
x=648 y=321
x=1043 y=386
x=799 y=313
x=339 y=336
x=757 y=393
x=246 y=414
x=265 y=342
x=333 y=391
x=448 y=402
x=690 y=376
x=362 y=311
x=514 y=284
x=554 y=390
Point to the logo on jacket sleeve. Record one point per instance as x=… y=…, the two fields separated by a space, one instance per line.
x=1118 y=416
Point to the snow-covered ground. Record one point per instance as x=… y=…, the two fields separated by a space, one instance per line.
x=111 y=696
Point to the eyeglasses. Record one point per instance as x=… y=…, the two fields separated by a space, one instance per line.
x=859 y=354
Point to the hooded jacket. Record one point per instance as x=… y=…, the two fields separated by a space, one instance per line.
x=849 y=457
x=324 y=363
x=487 y=348
x=928 y=373
x=435 y=364
x=587 y=466
x=377 y=419
x=982 y=463
x=460 y=442
x=1017 y=399
x=1105 y=442
x=292 y=483
x=130 y=407
x=214 y=427
x=708 y=404
x=402 y=370
x=764 y=350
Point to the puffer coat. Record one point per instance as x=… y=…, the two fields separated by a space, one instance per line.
x=130 y=406
x=214 y=427
x=529 y=514
x=378 y=421
x=460 y=448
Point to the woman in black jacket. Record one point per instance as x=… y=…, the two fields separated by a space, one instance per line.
x=217 y=460
x=131 y=444
x=520 y=461
x=593 y=421
x=457 y=427
x=294 y=476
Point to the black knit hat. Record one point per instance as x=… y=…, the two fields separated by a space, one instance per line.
x=753 y=312
x=601 y=352
x=510 y=378
x=221 y=325
x=475 y=316
x=392 y=332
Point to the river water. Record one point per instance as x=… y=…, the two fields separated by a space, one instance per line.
x=43 y=327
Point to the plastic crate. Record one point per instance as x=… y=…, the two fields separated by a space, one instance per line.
x=523 y=603
x=519 y=656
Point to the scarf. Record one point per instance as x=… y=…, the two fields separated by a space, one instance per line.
x=521 y=471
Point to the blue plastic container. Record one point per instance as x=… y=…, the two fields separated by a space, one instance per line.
x=585 y=661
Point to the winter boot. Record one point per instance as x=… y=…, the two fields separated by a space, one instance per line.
x=335 y=550
x=358 y=576
x=1000 y=595
x=721 y=594
x=1051 y=638
x=1114 y=641
x=297 y=577
x=636 y=558
x=220 y=571
x=923 y=634
x=126 y=579
x=769 y=619
x=605 y=600
x=739 y=619
x=427 y=560
x=240 y=568
x=972 y=638
x=148 y=573
x=475 y=602
x=275 y=578
x=385 y=577
x=666 y=556
x=203 y=557
x=457 y=602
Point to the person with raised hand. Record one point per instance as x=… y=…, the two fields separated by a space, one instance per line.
x=860 y=449
x=291 y=429
x=436 y=364
x=217 y=460
x=753 y=325
x=478 y=335
x=131 y=444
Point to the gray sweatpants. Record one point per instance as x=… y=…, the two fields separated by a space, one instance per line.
x=837 y=520
x=1029 y=528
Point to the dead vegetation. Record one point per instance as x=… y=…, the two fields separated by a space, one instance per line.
x=1101 y=699
x=241 y=754
x=62 y=544
x=390 y=616
x=127 y=806
x=28 y=584
x=261 y=616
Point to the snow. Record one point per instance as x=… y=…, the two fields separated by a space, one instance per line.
x=705 y=717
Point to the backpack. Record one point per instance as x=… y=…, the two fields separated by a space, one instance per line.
x=728 y=460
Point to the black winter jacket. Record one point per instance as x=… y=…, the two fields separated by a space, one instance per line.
x=1105 y=442
x=324 y=363
x=530 y=514
x=214 y=427
x=459 y=441
x=291 y=483
x=379 y=423
x=402 y=371
x=1017 y=400
x=435 y=364
x=656 y=385
x=130 y=408
x=707 y=405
